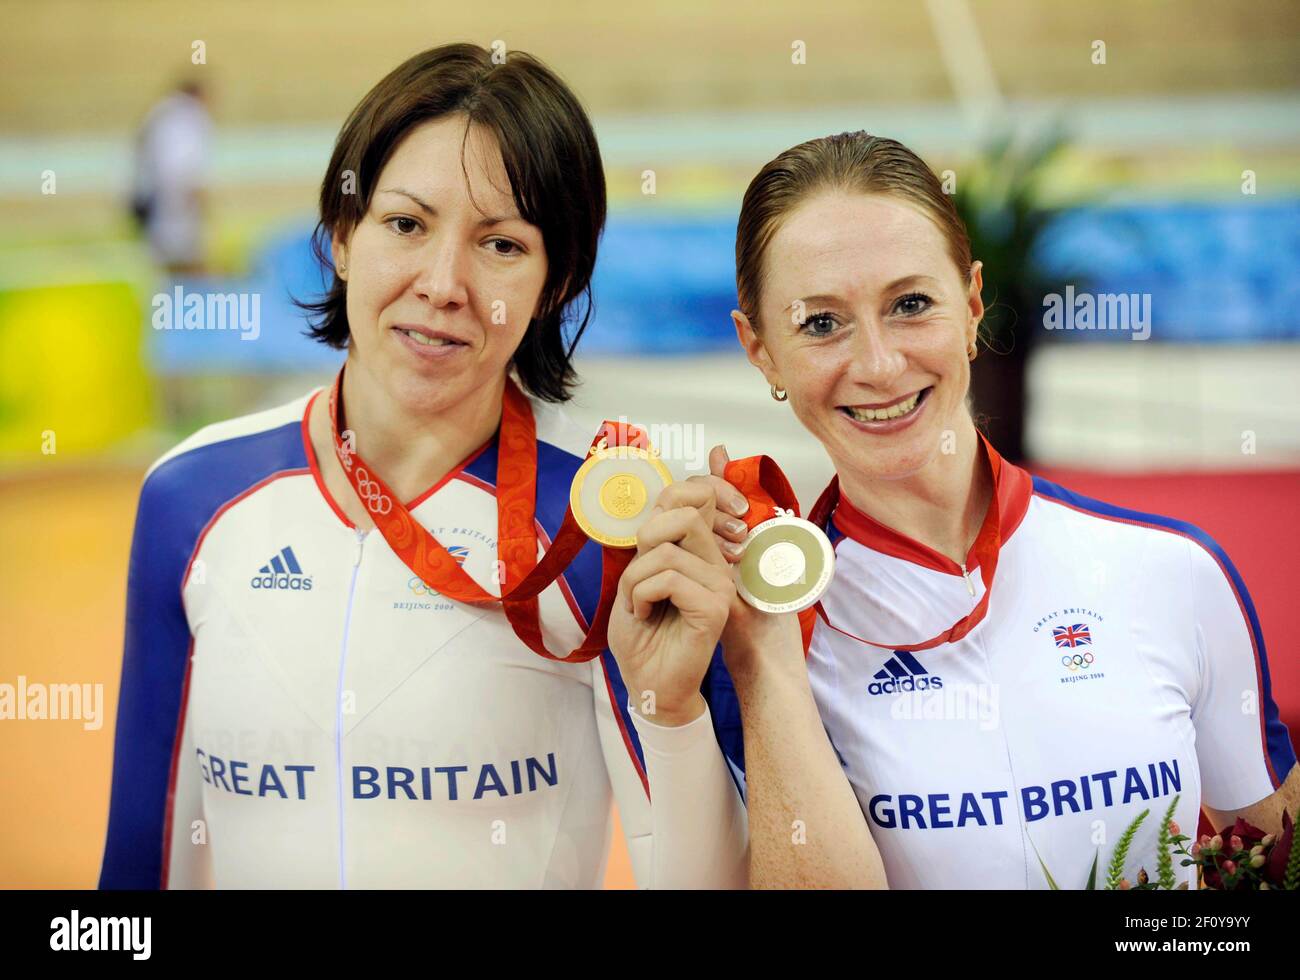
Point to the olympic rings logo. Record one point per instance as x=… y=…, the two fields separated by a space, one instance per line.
x=376 y=501
x=1079 y=660
x=416 y=585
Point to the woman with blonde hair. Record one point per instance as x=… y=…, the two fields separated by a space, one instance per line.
x=1003 y=673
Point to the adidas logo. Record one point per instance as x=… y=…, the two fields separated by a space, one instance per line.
x=282 y=572
x=903 y=672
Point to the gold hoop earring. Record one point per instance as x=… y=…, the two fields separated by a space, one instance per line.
x=782 y=396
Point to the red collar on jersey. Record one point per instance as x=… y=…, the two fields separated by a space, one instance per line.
x=1014 y=489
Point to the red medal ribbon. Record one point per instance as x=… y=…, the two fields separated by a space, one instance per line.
x=516 y=493
x=762 y=482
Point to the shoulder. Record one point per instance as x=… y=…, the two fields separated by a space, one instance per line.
x=238 y=435
x=1082 y=514
x=189 y=485
x=1187 y=547
x=226 y=458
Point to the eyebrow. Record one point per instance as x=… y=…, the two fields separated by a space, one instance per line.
x=488 y=220
x=896 y=284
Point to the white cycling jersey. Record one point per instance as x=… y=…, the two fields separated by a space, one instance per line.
x=1120 y=663
x=299 y=710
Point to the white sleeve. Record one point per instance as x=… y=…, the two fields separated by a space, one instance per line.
x=189 y=849
x=620 y=747
x=696 y=833
x=700 y=835
x=1244 y=748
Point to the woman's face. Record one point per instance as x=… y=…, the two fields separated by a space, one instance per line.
x=439 y=292
x=866 y=322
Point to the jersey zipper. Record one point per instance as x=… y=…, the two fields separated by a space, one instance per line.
x=966 y=575
x=338 y=703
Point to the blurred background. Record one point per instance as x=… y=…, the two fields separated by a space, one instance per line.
x=1113 y=147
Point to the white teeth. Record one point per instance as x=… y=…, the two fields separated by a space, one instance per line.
x=427 y=341
x=879 y=414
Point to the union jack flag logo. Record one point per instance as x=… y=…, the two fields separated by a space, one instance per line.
x=1072 y=636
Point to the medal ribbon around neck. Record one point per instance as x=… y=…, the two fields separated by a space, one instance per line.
x=516 y=495
x=760 y=479
x=985 y=550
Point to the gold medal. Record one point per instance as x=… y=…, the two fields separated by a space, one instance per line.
x=613 y=492
x=787 y=565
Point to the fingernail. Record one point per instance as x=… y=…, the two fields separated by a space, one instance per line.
x=733 y=549
x=733 y=525
x=738 y=505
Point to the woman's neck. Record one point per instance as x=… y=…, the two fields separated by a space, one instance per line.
x=409 y=449
x=942 y=505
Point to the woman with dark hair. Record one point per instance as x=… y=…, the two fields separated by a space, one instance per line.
x=322 y=684
x=1003 y=674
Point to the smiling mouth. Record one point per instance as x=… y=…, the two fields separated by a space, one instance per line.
x=428 y=341
x=899 y=409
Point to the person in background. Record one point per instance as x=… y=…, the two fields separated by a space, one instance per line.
x=169 y=188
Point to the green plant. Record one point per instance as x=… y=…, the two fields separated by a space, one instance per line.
x=1001 y=200
x=1115 y=872
x=1291 y=880
x=1237 y=858
x=1164 y=843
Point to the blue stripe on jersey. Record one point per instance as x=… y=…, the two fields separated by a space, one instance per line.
x=724 y=707
x=1277 y=740
x=176 y=502
x=832 y=531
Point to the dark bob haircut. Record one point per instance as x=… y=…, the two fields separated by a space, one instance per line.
x=550 y=155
